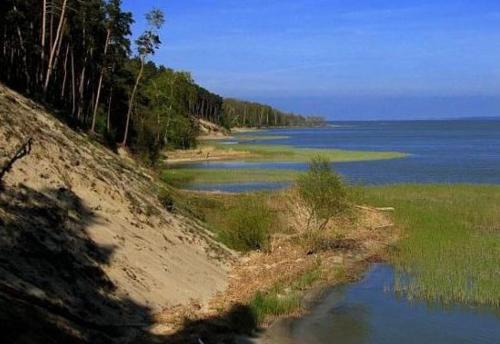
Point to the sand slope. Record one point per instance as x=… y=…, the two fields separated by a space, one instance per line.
x=84 y=240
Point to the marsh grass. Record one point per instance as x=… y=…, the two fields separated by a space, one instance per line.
x=451 y=249
x=270 y=152
x=247 y=138
x=183 y=176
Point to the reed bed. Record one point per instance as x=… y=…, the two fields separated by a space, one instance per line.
x=281 y=153
x=450 y=252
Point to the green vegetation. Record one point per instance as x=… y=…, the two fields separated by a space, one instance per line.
x=282 y=153
x=246 y=138
x=183 y=176
x=238 y=113
x=243 y=222
x=76 y=57
x=247 y=224
x=323 y=192
x=273 y=304
x=257 y=152
x=283 y=298
x=451 y=244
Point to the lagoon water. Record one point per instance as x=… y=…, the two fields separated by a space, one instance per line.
x=369 y=312
x=444 y=151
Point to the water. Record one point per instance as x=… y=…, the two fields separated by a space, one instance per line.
x=369 y=312
x=451 y=151
x=458 y=151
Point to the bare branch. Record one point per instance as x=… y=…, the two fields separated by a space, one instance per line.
x=21 y=152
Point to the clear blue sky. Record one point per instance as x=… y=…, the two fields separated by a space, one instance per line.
x=344 y=59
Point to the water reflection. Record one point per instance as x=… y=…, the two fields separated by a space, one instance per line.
x=368 y=312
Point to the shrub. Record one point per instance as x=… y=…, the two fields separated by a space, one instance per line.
x=247 y=225
x=166 y=200
x=323 y=191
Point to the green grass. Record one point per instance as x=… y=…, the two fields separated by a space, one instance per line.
x=246 y=138
x=451 y=240
x=283 y=298
x=243 y=222
x=282 y=153
x=184 y=176
x=273 y=304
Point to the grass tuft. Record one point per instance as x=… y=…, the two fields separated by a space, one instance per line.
x=273 y=304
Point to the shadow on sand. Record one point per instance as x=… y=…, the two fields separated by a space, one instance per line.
x=53 y=288
x=52 y=285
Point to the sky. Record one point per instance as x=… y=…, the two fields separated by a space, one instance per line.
x=343 y=59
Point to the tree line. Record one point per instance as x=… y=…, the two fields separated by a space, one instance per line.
x=238 y=113
x=77 y=57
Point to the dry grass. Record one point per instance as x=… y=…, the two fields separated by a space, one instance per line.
x=273 y=282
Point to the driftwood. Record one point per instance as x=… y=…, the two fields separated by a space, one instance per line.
x=21 y=152
x=375 y=209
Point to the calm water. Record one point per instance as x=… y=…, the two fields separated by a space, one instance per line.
x=451 y=151
x=368 y=312
x=456 y=151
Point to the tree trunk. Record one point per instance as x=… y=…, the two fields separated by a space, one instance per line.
x=51 y=31
x=65 y=71
x=165 y=137
x=24 y=58
x=54 y=46
x=108 y=118
x=131 y=102
x=24 y=55
x=73 y=83
x=44 y=29
x=98 y=95
x=58 y=49
x=81 y=89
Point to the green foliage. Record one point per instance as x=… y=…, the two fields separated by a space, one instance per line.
x=96 y=82
x=323 y=191
x=247 y=225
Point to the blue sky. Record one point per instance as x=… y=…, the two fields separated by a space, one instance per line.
x=343 y=59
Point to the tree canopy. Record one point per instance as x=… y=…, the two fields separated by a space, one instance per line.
x=76 y=56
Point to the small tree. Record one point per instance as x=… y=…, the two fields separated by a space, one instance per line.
x=147 y=43
x=323 y=192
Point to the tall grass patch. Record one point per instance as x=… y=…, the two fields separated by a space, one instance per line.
x=451 y=246
x=273 y=305
x=181 y=177
x=243 y=222
x=284 y=298
x=247 y=224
